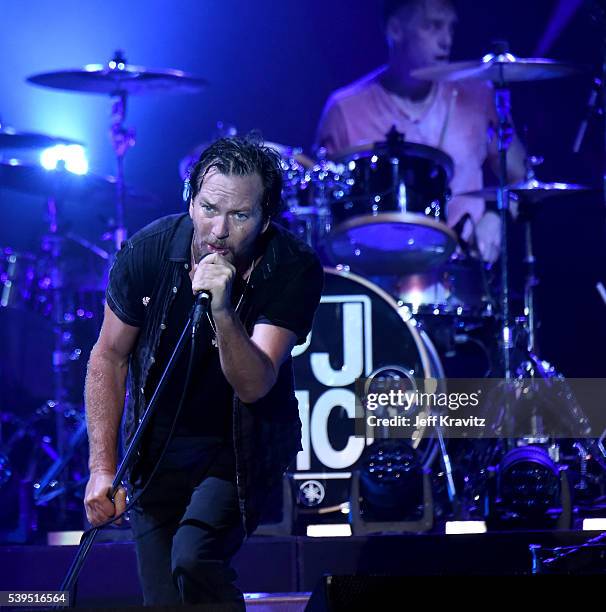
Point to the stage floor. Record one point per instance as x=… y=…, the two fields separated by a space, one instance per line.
x=289 y=565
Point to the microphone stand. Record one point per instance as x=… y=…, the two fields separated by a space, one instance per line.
x=86 y=543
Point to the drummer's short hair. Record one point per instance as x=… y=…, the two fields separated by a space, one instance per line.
x=242 y=157
x=391 y=7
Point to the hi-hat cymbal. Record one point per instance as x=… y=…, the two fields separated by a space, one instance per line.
x=531 y=190
x=120 y=78
x=13 y=139
x=505 y=67
x=35 y=180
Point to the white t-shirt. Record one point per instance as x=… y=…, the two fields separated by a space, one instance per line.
x=455 y=118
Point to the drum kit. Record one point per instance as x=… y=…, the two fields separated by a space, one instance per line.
x=376 y=214
x=58 y=290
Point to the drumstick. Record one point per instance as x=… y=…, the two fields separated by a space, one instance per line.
x=451 y=103
x=305 y=161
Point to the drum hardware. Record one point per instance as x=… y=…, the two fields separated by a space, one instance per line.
x=502 y=68
x=49 y=479
x=346 y=344
x=43 y=283
x=119 y=79
x=391 y=218
x=30 y=445
x=498 y=67
x=60 y=184
x=531 y=190
x=309 y=196
x=503 y=108
x=63 y=338
x=11 y=139
x=15 y=473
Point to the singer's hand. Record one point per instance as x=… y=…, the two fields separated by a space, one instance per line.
x=216 y=275
x=99 y=507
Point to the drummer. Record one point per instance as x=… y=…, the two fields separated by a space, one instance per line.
x=457 y=117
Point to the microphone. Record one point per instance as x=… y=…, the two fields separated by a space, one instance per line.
x=200 y=305
x=200 y=308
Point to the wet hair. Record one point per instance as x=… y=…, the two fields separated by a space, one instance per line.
x=240 y=157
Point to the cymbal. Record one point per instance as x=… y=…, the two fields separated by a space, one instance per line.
x=12 y=139
x=120 y=78
x=34 y=180
x=531 y=190
x=504 y=67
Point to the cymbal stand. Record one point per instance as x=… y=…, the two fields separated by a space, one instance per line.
x=503 y=108
x=63 y=350
x=122 y=139
x=530 y=283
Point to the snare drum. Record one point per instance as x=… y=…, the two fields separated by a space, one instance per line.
x=393 y=218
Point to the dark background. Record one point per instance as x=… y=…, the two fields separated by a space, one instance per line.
x=271 y=66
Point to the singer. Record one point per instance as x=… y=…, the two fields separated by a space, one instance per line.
x=239 y=426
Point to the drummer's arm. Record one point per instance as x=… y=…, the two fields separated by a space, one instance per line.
x=516 y=157
x=332 y=130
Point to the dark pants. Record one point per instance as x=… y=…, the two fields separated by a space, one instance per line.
x=187 y=527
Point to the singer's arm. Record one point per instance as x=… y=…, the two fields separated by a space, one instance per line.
x=251 y=363
x=104 y=398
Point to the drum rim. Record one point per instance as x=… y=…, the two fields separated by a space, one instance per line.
x=422 y=340
x=397 y=217
x=423 y=151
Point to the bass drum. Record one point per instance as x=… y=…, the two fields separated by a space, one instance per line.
x=358 y=330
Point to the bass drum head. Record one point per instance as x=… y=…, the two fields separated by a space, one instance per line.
x=358 y=329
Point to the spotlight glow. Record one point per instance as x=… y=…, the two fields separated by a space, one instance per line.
x=70 y=157
x=463 y=527
x=594 y=524
x=331 y=530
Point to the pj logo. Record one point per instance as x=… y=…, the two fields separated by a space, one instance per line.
x=337 y=352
